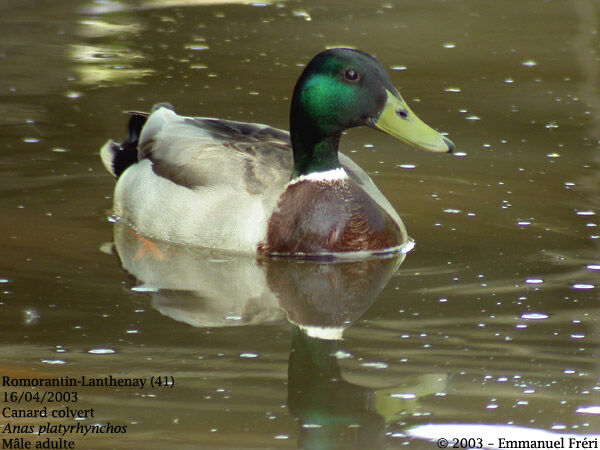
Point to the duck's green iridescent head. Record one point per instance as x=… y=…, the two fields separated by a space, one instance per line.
x=343 y=88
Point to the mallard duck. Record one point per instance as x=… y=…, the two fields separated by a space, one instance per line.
x=251 y=188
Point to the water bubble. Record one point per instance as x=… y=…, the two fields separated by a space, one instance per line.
x=31 y=316
x=73 y=94
x=340 y=354
x=534 y=281
x=234 y=317
x=196 y=47
x=583 y=286
x=101 y=351
x=301 y=13
x=404 y=396
x=248 y=355
x=534 y=316
x=592 y=409
x=375 y=365
x=529 y=63
x=397 y=435
x=144 y=288
x=53 y=361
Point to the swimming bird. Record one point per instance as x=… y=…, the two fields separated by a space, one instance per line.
x=252 y=188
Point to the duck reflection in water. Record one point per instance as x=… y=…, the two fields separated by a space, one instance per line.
x=320 y=299
x=335 y=413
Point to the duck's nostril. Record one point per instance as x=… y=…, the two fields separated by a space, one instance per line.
x=402 y=113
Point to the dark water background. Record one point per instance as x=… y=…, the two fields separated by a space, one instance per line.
x=493 y=319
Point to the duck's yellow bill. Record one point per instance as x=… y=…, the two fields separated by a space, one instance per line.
x=398 y=120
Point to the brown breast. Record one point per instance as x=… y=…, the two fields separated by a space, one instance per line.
x=333 y=216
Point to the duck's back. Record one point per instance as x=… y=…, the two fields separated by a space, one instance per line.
x=205 y=182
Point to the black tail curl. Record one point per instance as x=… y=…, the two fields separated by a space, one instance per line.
x=118 y=157
x=126 y=153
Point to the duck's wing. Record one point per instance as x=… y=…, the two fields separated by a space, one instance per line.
x=206 y=153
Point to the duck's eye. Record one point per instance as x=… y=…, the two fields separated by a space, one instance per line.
x=351 y=75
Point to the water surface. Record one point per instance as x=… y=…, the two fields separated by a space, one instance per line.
x=493 y=320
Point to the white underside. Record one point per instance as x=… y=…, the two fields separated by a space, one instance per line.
x=224 y=218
